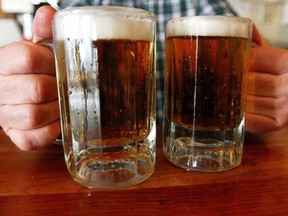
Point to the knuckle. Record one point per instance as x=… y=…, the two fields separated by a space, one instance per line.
x=279 y=124
x=284 y=85
x=20 y=139
x=277 y=85
x=274 y=85
x=277 y=104
x=24 y=143
x=32 y=116
x=280 y=85
x=282 y=63
x=31 y=59
x=281 y=113
x=39 y=90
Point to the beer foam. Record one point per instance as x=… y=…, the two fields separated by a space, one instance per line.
x=209 y=26
x=95 y=23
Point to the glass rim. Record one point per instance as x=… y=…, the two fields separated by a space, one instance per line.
x=104 y=22
x=215 y=25
x=99 y=11
x=218 y=18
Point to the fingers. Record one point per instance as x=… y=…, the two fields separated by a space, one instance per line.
x=31 y=126
x=275 y=108
x=267 y=84
x=35 y=138
x=29 y=116
x=267 y=101
x=26 y=58
x=31 y=89
x=29 y=112
x=269 y=60
x=42 y=23
x=261 y=124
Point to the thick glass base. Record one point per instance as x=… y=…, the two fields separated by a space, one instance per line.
x=113 y=174
x=113 y=166
x=203 y=150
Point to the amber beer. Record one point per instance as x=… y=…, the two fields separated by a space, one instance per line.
x=125 y=80
x=205 y=92
x=106 y=81
x=216 y=101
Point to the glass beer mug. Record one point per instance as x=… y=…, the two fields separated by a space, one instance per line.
x=205 y=91
x=105 y=61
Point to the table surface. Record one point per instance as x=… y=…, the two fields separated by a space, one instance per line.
x=38 y=183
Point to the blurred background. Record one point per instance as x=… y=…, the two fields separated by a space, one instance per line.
x=270 y=16
x=16 y=18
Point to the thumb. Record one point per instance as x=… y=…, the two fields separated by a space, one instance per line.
x=256 y=37
x=42 y=23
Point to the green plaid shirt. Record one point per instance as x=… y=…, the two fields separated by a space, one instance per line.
x=163 y=10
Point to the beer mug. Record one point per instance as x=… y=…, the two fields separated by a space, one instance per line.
x=105 y=62
x=205 y=91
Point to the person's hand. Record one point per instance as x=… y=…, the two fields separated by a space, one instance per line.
x=267 y=101
x=29 y=111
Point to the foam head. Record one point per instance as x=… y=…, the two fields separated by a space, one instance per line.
x=209 y=26
x=99 y=22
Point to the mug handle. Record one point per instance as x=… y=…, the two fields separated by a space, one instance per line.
x=48 y=42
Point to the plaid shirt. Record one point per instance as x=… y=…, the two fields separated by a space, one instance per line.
x=163 y=10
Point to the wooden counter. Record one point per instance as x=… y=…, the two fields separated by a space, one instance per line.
x=38 y=183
